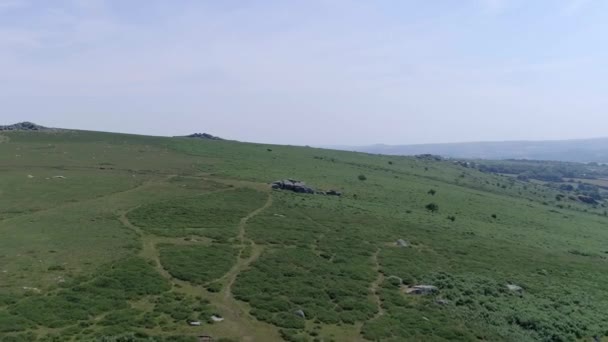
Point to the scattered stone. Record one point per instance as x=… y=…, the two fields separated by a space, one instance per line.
x=334 y=193
x=279 y=215
x=422 y=289
x=30 y=176
x=59 y=177
x=194 y=323
x=543 y=272
x=402 y=243
x=514 y=288
x=442 y=301
x=465 y=164
x=217 y=318
x=300 y=313
x=33 y=289
x=206 y=136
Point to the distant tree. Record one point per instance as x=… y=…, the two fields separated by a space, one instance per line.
x=452 y=218
x=432 y=207
x=362 y=177
x=432 y=192
x=390 y=162
x=494 y=216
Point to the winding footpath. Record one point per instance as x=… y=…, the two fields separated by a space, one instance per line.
x=256 y=251
x=375 y=286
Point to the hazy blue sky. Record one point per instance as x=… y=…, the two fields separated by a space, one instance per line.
x=310 y=71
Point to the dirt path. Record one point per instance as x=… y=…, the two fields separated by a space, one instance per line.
x=150 y=243
x=239 y=311
x=237 y=322
x=374 y=288
x=256 y=251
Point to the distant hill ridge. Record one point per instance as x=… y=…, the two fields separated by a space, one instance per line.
x=581 y=150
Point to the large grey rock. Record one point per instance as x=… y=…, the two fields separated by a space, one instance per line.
x=216 y=318
x=300 y=313
x=402 y=243
x=514 y=288
x=422 y=289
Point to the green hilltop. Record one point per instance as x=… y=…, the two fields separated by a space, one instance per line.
x=116 y=237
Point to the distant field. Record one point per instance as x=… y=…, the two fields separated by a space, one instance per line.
x=114 y=237
x=603 y=183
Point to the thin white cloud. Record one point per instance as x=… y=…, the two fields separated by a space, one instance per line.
x=574 y=6
x=12 y=39
x=494 y=6
x=12 y=4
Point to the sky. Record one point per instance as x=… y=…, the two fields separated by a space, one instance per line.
x=309 y=72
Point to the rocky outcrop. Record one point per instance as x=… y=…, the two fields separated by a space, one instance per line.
x=428 y=157
x=333 y=193
x=293 y=185
x=301 y=187
x=206 y=136
x=23 y=126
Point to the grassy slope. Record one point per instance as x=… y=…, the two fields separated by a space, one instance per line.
x=333 y=258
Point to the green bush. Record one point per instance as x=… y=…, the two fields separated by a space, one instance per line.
x=215 y=215
x=198 y=264
x=124 y=280
x=432 y=207
x=13 y=323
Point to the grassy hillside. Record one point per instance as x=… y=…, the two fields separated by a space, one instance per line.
x=116 y=237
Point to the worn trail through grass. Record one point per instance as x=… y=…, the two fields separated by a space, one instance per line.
x=241 y=264
x=374 y=289
x=238 y=322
